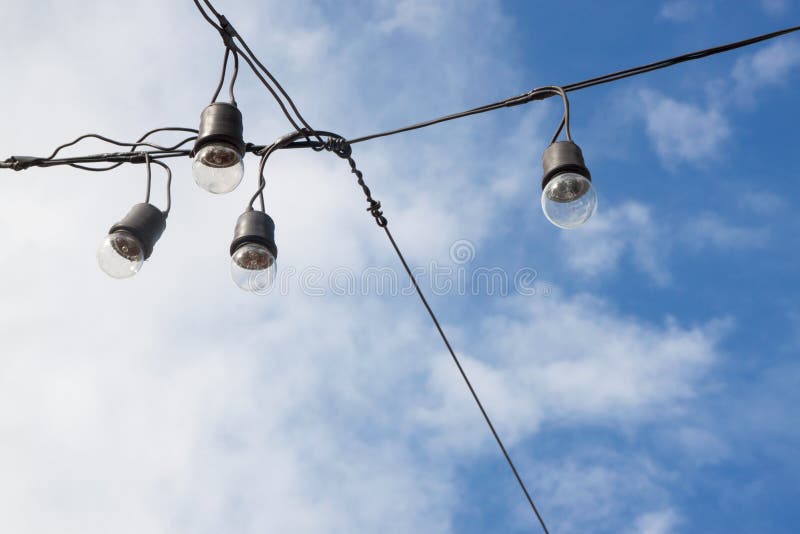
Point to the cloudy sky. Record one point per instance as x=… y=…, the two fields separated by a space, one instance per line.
x=643 y=369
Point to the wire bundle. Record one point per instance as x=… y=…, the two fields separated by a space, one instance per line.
x=145 y=152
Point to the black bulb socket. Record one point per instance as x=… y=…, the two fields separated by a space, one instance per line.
x=146 y=223
x=220 y=123
x=255 y=227
x=561 y=157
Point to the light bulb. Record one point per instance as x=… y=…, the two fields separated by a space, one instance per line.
x=569 y=200
x=218 y=168
x=253 y=268
x=120 y=255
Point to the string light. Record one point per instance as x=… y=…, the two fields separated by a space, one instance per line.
x=568 y=196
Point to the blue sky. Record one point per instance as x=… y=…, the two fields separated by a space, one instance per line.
x=648 y=385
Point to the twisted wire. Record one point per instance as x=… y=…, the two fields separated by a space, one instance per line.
x=343 y=149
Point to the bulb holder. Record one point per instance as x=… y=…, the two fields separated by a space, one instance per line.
x=561 y=157
x=220 y=123
x=255 y=227
x=145 y=222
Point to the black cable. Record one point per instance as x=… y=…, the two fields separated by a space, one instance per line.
x=149 y=175
x=342 y=148
x=466 y=379
x=277 y=84
x=229 y=34
x=20 y=163
x=169 y=184
x=664 y=63
x=234 y=76
x=208 y=19
x=211 y=7
x=222 y=76
x=114 y=142
x=591 y=82
x=227 y=37
x=272 y=91
x=262 y=182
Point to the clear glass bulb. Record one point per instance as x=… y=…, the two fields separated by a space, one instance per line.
x=253 y=268
x=120 y=255
x=218 y=168
x=569 y=200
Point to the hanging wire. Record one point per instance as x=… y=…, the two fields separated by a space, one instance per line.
x=342 y=148
x=169 y=184
x=591 y=82
x=149 y=177
x=222 y=76
x=262 y=181
x=234 y=76
x=229 y=34
x=148 y=160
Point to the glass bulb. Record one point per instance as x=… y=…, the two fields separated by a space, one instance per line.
x=569 y=200
x=253 y=268
x=218 y=168
x=120 y=255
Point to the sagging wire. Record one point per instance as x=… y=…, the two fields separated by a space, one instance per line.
x=342 y=148
x=137 y=144
x=148 y=161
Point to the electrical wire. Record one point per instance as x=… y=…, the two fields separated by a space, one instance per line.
x=591 y=82
x=222 y=76
x=169 y=184
x=343 y=149
x=148 y=160
x=262 y=181
x=229 y=36
x=114 y=142
x=133 y=148
x=466 y=379
x=234 y=76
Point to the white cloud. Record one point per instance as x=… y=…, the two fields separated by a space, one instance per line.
x=600 y=246
x=173 y=403
x=683 y=132
x=708 y=229
x=763 y=203
x=769 y=66
x=775 y=7
x=661 y=522
x=631 y=232
x=683 y=10
x=562 y=361
x=686 y=132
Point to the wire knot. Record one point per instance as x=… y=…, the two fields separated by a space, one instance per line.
x=375 y=210
x=339 y=146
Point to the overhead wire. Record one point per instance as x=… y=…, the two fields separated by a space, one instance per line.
x=584 y=84
x=342 y=148
x=230 y=36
